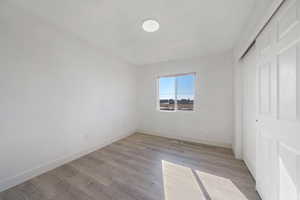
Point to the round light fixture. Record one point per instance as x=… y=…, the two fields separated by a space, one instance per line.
x=150 y=25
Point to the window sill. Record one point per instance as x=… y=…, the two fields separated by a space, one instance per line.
x=176 y=111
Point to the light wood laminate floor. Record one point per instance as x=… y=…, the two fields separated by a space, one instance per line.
x=144 y=167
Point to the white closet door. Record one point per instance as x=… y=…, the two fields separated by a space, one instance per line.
x=278 y=72
x=249 y=109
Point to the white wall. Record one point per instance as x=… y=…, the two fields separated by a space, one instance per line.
x=212 y=121
x=259 y=16
x=60 y=97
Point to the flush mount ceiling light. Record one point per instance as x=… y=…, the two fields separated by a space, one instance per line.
x=150 y=25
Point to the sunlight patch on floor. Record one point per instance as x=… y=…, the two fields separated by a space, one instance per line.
x=220 y=188
x=180 y=183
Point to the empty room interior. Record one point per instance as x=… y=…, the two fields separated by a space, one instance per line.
x=150 y=100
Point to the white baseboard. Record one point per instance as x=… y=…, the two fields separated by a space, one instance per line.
x=250 y=167
x=29 y=174
x=212 y=143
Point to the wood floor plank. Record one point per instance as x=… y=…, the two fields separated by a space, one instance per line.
x=144 y=167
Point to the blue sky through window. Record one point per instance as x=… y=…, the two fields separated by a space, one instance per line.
x=167 y=88
x=185 y=87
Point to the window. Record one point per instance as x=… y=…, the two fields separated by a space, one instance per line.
x=176 y=92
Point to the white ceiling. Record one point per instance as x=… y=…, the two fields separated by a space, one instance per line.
x=188 y=28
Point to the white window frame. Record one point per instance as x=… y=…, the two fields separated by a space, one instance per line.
x=176 y=106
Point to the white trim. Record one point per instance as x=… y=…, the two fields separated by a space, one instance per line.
x=157 y=94
x=238 y=112
x=188 y=139
x=31 y=173
x=175 y=100
x=240 y=49
x=174 y=75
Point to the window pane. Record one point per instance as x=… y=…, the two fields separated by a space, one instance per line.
x=167 y=93
x=185 y=92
